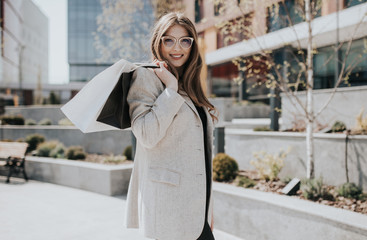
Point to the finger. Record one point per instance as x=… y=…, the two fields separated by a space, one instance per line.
x=161 y=65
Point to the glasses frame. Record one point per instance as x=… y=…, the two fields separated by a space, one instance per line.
x=177 y=40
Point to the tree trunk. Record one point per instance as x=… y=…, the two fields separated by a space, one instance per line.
x=310 y=114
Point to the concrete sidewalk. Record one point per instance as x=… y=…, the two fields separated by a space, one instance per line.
x=41 y=211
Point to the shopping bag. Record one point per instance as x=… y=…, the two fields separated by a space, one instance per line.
x=101 y=104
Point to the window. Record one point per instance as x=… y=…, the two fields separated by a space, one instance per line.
x=217 y=7
x=199 y=10
x=234 y=31
x=284 y=14
x=222 y=80
x=351 y=3
x=324 y=65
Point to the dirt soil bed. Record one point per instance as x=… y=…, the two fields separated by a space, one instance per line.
x=359 y=206
x=103 y=159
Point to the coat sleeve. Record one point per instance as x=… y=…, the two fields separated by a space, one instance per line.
x=152 y=107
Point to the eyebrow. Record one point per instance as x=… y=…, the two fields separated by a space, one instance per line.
x=174 y=36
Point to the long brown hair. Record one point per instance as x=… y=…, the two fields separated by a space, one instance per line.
x=190 y=80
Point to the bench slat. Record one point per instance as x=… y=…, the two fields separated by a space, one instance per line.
x=13 y=149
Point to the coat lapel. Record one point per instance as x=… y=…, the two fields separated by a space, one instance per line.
x=189 y=102
x=210 y=126
x=192 y=106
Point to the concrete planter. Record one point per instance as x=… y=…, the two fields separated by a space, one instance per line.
x=107 y=142
x=335 y=160
x=37 y=113
x=251 y=214
x=104 y=179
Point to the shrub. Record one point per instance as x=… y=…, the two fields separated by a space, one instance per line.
x=75 y=153
x=54 y=98
x=12 y=120
x=338 y=126
x=44 y=149
x=7 y=140
x=33 y=140
x=45 y=121
x=313 y=189
x=243 y=181
x=115 y=159
x=350 y=190
x=30 y=122
x=58 y=151
x=267 y=165
x=225 y=168
x=361 y=126
x=65 y=122
x=79 y=156
x=128 y=152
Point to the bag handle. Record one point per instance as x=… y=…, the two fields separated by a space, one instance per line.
x=146 y=65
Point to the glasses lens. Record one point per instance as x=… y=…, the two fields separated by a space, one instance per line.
x=185 y=42
x=168 y=42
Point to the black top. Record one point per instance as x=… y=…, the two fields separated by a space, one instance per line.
x=207 y=158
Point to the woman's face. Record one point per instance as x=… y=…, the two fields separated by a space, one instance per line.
x=176 y=54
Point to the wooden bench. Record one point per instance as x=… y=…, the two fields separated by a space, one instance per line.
x=12 y=156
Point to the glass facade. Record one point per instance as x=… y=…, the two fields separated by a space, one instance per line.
x=351 y=3
x=222 y=80
x=82 y=27
x=356 y=64
x=288 y=13
x=234 y=31
x=82 y=54
x=278 y=15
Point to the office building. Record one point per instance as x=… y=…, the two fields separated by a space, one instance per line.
x=276 y=35
x=24 y=52
x=83 y=55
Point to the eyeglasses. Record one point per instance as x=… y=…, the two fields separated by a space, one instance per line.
x=185 y=42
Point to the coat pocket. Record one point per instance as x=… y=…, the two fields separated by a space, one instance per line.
x=164 y=175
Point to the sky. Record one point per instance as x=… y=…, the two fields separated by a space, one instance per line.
x=56 y=11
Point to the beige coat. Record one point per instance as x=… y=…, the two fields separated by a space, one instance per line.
x=167 y=191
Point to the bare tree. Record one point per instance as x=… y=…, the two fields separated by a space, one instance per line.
x=124 y=27
x=288 y=77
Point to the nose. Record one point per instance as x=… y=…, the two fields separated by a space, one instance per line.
x=177 y=46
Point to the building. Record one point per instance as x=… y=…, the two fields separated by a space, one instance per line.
x=276 y=35
x=83 y=56
x=24 y=52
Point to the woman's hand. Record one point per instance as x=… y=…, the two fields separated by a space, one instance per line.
x=166 y=76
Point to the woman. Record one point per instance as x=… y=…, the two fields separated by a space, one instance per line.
x=169 y=194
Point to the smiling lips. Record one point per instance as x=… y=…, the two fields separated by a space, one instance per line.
x=176 y=56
